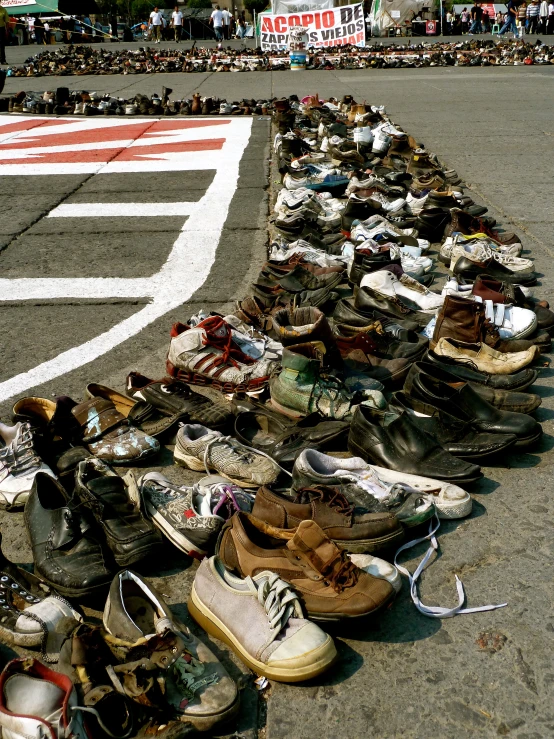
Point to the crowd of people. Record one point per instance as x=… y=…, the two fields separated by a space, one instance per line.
x=534 y=17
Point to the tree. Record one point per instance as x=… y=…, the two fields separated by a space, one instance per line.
x=199 y=4
x=255 y=5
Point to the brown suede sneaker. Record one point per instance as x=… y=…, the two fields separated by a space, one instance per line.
x=330 y=586
x=352 y=529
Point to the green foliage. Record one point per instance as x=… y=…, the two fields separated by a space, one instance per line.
x=199 y=4
x=255 y=5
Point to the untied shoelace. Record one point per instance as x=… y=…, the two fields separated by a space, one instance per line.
x=435 y=611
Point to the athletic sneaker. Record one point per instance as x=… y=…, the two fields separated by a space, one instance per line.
x=191 y=516
x=19 y=464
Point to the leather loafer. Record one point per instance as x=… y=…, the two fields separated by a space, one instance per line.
x=465 y=404
x=395 y=441
x=516 y=381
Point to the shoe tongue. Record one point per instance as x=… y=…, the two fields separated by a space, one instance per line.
x=41 y=698
x=311 y=543
x=106 y=484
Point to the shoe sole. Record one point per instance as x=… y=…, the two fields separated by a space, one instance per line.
x=177 y=539
x=334 y=617
x=137 y=556
x=74 y=592
x=528 y=440
x=192 y=378
x=359 y=452
x=324 y=656
x=367 y=546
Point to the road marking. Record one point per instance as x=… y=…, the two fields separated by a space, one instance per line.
x=185 y=270
x=114 y=210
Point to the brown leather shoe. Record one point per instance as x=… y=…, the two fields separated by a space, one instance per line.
x=330 y=585
x=352 y=529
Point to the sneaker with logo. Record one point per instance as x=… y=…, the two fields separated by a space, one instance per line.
x=19 y=465
x=191 y=516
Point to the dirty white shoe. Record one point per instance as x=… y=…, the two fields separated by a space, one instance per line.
x=19 y=464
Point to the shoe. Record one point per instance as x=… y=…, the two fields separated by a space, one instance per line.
x=196 y=685
x=282 y=439
x=345 y=312
x=361 y=486
x=19 y=465
x=53 y=426
x=351 y=527
x=395 y=441
x=66 y=547
x=504 y=400
x=200 y=449
x=305 y=386
x=367 y=299
x=191 y=517
x=484 y=359
x=468 y=225
x=30 y=611
x=330 y=587
x=130 y=537
x=209 y=354
x=261 y=619
x=373 y=351
x=518 y=381
x=37 y=701
x=409 y=291
x=471 y=269
x=460 y=405
x=176 y=398
x=108 y=434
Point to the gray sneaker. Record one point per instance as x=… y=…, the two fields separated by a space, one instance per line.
x=201 y=449
x=261 y=619
x=192 y=516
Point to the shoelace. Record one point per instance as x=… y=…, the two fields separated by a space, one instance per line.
x=277 y=597
x=435 y=611
x=334 y=389
x=219 y=334
x=332 y=496
x=20 y=457
x=243 y=456
x=226 y=493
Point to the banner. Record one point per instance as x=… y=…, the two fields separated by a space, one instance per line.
x=299 y=6
x=17 y=3
x=333 y=27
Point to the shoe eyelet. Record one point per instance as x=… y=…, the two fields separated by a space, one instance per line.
x=6 y=608
x=4 y=578
x=29 y=598
x=14 y=586
x=326 y=582
x=2 y=600
x=296 y=557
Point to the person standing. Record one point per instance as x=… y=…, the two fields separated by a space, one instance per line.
x=533 y=10
x=522 y=16
x=226 y=18
x=177 y=23
x=216 y=19
x=31 y=28
x=476 y=19
x=543 y=16
x=4 y=20
x=46 y=34
x=510 y=24
x=155 y=25
x=39 y=31
x=464 y=19
x=550 y=25
x=449 y=19
x=241 y=26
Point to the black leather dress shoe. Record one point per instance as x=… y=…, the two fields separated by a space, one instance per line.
x=504 y=400
x=128 y=534
x=366 y=299
x=517 y=381
x=364 y=264
x=395 y=441
x=66 y=546
x=456 y=435
x=468 y=269
x=463 y=403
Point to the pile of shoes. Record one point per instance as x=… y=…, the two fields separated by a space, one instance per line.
x=345 y=403
x=64 y=101
x=85 y=60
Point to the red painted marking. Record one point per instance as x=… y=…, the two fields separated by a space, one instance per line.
x=118 y=153
x=91 y=136
x=173 y=125
x=28 y=125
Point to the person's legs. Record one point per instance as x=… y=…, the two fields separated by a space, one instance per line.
x=3 y=46
x=177 y=33
x=217 y=31
x=158 y=33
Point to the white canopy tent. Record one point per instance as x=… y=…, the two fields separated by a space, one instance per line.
x=387 y=13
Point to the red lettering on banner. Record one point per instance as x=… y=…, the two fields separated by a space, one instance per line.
x=280 y=24
x=317 y=20
x=294 y=20
x=307 y=19
x=267 y=25
x=328 y=19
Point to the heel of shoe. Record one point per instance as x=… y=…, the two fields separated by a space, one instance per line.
x=185 y=460
x=286 y=411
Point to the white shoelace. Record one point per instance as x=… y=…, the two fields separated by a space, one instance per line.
x=277 y=597
x=435 y=611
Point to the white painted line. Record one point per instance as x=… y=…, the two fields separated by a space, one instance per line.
x=122 y=210
x=183 y=273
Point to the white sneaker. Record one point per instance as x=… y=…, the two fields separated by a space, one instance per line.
x=390 y=206
x=512 y=322
x=411 y=262
x=410 y=292
x=363 y=135
x=481 y=252
x=19 y=464
x=381 y=142
x=415 y=205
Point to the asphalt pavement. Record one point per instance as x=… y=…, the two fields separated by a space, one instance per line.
x=486 y=674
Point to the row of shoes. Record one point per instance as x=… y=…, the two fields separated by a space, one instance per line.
x=83 y=60
x=342 y=405
x=63 y=101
